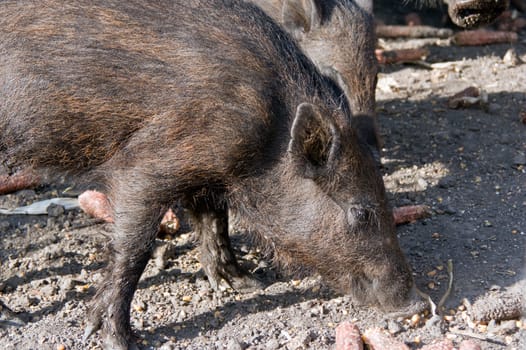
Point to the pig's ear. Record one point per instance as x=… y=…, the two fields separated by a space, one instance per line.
x=300 y=16
x=314 y=143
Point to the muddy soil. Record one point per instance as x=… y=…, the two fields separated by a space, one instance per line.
x=468 y=165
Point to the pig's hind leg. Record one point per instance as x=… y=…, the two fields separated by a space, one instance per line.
x=138 y=209
x=216 y=254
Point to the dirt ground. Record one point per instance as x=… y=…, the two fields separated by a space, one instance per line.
x=468 y=165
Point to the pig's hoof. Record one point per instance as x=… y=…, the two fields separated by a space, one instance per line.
x=90 y=329
x=113 y=342
x=242 y=282
x=246 y=283
x=93 y=324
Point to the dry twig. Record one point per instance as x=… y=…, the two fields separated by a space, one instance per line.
x=410 y=213
x=18 y=181
x=348 y=337
x=483 y=37
x=414 y=31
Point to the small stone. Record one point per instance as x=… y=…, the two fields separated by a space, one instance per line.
x=139 y=306
x=417 y=340
x=415 y=320
x=507 y=327
x=511 y=58
x=48 y=290
x=55 y=210
x=519 y=159
x=4 y=226
x=82 y=288
x=432 y=273
x=296 y=283
x=422 y=184
x=394 y=327
x=235 y=344
x=272 y=344
x=29 y=301
x=301 y=341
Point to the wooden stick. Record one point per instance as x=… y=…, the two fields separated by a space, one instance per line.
x=410 y=213
x=21 y=180
x=399 y=56
x=377 y=339
x=415 y=31
x=483 y=37
x=348 y=337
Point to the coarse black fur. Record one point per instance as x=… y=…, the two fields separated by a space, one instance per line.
x=208 y=102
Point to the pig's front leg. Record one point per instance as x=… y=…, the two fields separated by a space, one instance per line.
x=216 y=254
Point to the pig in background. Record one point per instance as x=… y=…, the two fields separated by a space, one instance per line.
x=339 y=37
x=245 y=122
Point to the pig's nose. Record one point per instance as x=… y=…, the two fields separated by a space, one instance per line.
x=416 y=304
x=472 y=13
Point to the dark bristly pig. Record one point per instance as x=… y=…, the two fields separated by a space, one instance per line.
x=339 y=37
x=208 y=102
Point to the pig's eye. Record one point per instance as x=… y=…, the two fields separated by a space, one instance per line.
x=359 y=216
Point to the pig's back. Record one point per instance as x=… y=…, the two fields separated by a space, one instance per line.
x=80 y=80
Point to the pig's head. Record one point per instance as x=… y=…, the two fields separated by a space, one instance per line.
x=474 y=13
x=339 y=36
x=332 y=214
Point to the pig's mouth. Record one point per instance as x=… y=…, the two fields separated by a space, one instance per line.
x=474 y=13
x=416 y=304
x=393 y=305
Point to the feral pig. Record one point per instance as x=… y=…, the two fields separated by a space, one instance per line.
x=244 y=121
x=339 y=37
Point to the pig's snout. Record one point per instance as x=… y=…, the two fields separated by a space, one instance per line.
x=394 y=289
x=416 y=303
x=472 y=13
